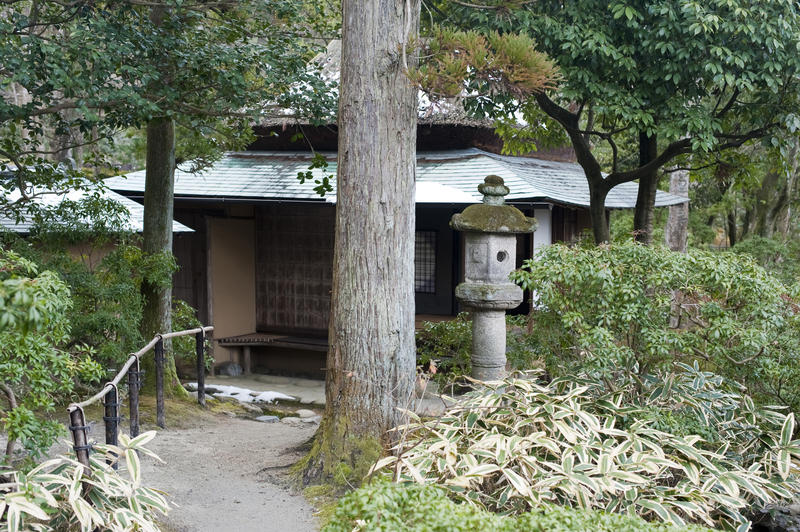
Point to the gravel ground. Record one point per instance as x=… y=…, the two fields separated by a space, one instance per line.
x=229 y=475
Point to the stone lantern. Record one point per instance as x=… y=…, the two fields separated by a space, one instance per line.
x=490 y=252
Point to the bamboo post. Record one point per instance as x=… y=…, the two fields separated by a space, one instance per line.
x=111 y=418
x=134 y=383
x=80 y=440
x=159 y=355
x=200 y=348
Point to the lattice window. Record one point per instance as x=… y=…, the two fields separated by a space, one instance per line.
x=425 y=262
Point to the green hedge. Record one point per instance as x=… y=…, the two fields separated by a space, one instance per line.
x=426 y=508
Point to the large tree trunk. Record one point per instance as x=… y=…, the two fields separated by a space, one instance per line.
x=676 y=235
x=597 y=211
x=765 y=201
x=157 y=238
x=648 y=186
x=371 y=361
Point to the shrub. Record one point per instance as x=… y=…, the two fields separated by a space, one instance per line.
x=517 y=444
x=448 y=345
x=426 y=508
x=34 y=367
x=106 y=287
x=60 y=494
x=184 y=347
x=628 y=308
x=781 y=258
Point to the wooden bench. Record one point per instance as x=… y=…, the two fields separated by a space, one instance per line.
x=245 y=342
x=310 y=342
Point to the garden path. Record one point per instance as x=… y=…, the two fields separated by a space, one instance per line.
x=229 y=475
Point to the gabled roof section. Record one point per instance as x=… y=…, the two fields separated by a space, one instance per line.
x=135 y=220
x=446 y=177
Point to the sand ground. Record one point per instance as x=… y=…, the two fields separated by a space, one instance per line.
x=229 y=475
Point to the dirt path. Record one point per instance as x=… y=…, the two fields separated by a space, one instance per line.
x=228 y=475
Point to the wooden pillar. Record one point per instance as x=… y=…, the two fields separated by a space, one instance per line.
x=246 y=360
x=159 y=355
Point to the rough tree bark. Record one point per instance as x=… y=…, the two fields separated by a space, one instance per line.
x=157 y=238
x=676 y=235
x=772 y=209
x=157 y=235
x=371 y=361
x=648 y=186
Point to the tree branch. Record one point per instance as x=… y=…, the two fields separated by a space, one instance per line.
x=579 y=143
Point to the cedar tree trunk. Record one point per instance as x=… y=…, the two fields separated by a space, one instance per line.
x=676 y=235
x=157 y=238
x=648 y=186
x=371 y=361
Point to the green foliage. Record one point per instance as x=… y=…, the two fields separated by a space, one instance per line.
x=457 y=61
x=77 y=74
x=426 y=508
x=34 y=366
x=516 y=444
x=322 y=182
x=60 y=494
x=629 y=309
x=621 y=225
x=184 y=347
x=629 y=62
x=446 y=344
x=447 y=347
x=104 y=276
x=779 y=257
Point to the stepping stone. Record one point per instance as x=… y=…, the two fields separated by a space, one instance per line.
x=268 y=419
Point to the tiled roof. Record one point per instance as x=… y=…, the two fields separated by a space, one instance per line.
x=442 y=177
x=135 y=210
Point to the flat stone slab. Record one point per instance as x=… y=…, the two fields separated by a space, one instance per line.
x=268 y=419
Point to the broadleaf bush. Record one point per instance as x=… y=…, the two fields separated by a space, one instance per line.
x=629 y=309
x=425 y=508
x=34 y=364
x=447 y=346
x=514 y=445
x=60 y=494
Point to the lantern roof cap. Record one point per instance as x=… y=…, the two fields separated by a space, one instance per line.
x=493 y=215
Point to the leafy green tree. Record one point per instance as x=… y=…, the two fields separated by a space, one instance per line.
x=86 y=70
x=34 y=366
x=652 y=80
x=209 y=72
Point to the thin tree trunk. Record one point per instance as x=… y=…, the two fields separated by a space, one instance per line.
x=371 y=361
x=676 y=235
x=157 y=234
x=732 y=230
x=648 y=186
x=747 y=222
x=597 y=211
x=783 y=221
x=157 y=238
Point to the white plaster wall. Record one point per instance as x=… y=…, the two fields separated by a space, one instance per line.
x=543 y=236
